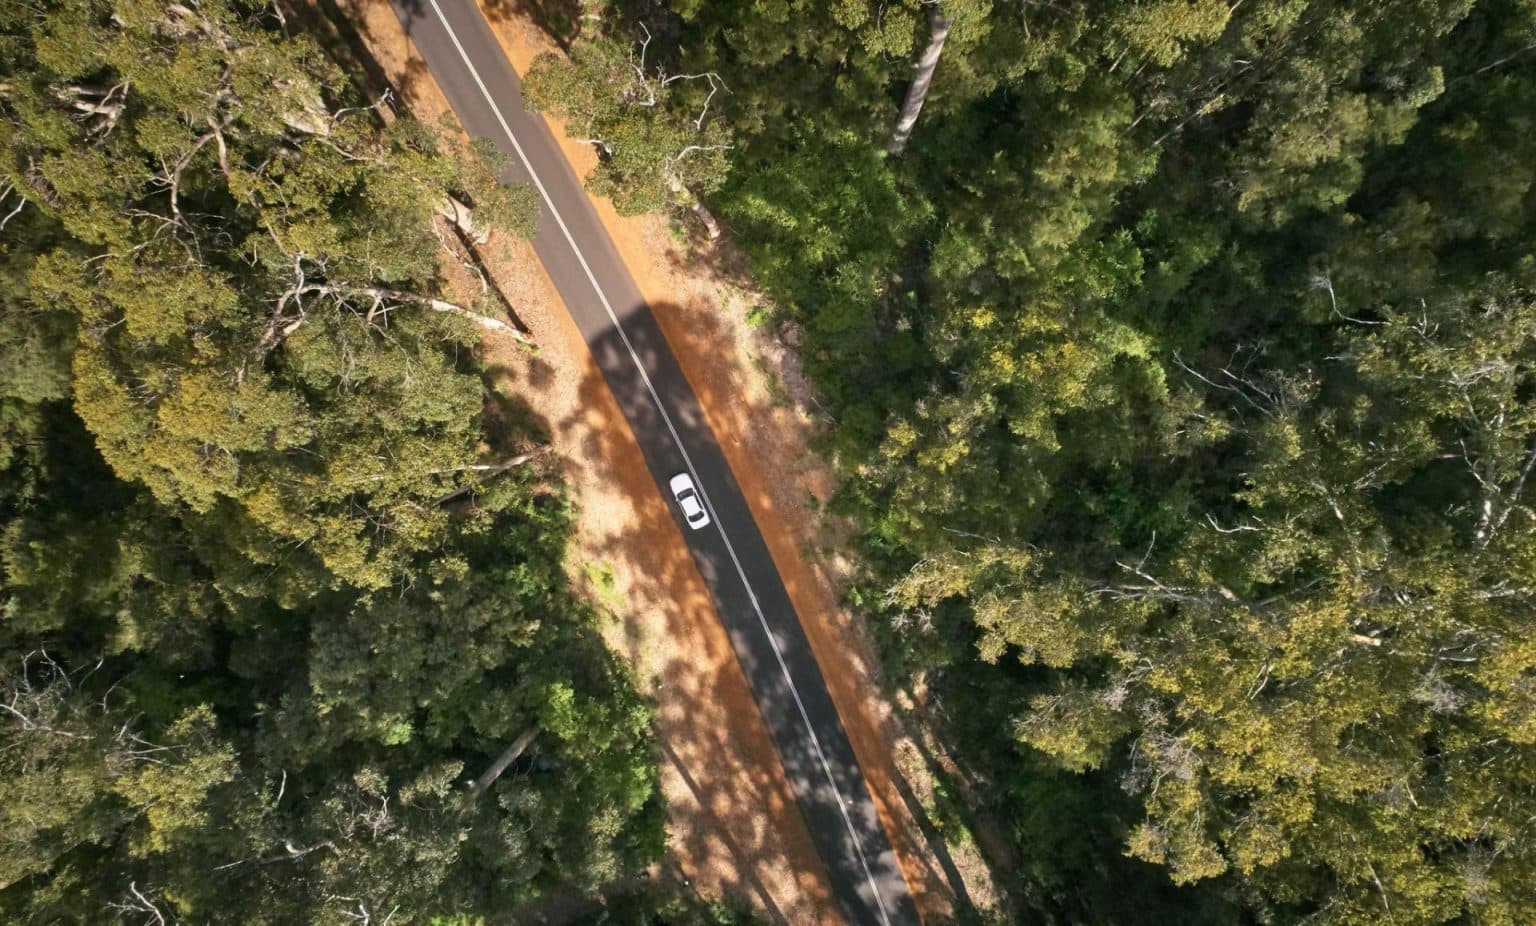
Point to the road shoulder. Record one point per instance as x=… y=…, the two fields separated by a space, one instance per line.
x=739 y=376
x=720 y=772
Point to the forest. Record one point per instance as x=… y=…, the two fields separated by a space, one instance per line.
x=286 y=634
x=1177 y=357
x=1178 y=364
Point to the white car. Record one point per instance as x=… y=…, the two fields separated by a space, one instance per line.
x=689 y=500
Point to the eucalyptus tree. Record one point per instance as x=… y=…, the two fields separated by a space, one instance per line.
x=272 y=596
x=242 y=257
x=658 y=134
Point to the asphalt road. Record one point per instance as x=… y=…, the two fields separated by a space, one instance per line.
x=463 y=56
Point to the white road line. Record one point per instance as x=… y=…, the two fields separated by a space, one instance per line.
x=687 y=461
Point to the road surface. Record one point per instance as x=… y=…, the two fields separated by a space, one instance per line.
x=462 y=53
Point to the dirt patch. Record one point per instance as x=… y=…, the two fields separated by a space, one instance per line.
x=734 y=828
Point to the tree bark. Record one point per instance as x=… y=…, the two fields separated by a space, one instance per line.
x=441 y=305
x=492 y=471
x=938 y=31
x=503 y=762
x=462 y=216
x=711 y=226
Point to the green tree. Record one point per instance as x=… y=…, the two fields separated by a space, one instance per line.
x=1328 y=674
x=249 y=500
x=1117 y=366
x=654 y=132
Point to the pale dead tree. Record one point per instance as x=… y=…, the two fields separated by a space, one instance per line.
x=1498 y=501
x=362 y=916
x=364 y=809
x=30 y=723
x=383 y=296
x=685 y=195
x=21 y=203
x=716 y=84
x=46 y=704
x=134 y=748
x=917 y=92
x=290 y=853
x=1324 y=282
x=29 y=703
x=381 y=107
x=644 y=91
x=467 y=255
x=137 y=903
x=170 y=175
x=503 y=762
x=1150 y=588
x=1156 y=756
x=491 y=471
x=377 y=819
x=642 y=83
x=365 y=918
x=648 y=87
x=1272 y=396
x=101 y=108
x=601 y=144
x=462 y=217
x=673 y=160
x=44 y=190
x=312 y=121
x=1346 y=527
x=1257 y=526
x=1385 y=904
x=294 y=304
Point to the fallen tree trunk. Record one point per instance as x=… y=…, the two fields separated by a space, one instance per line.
x=503 y=762
x=493 y=470
x=442 y=305
x=459 y=213
x=684 y=195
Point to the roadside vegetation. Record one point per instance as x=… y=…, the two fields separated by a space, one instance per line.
x=285 y=635
x=1178 y=360
x=665 y=905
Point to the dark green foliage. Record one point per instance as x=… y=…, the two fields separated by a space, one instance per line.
x=658 y=905
x=1187 y=352
x=262 y=619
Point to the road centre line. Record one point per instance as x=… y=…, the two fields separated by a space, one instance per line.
x=687 y=461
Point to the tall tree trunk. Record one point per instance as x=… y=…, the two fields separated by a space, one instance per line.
x=938 y=31
x=503 y=761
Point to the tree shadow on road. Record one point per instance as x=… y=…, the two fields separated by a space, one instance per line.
x=735 y=824
x=742 y=817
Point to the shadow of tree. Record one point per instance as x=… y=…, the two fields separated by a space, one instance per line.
x=560 y=20
x=703 y=706
x=339 y=28
x=748 y=837
x=744 y=836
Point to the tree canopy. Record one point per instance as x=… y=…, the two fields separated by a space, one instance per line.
x=1179 y=371
x=273 y=596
